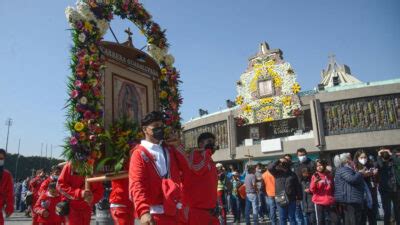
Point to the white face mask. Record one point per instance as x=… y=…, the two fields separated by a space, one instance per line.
x=2 y=162
x=302 y=158
x=363 y=161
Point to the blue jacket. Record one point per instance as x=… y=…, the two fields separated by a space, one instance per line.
x=349 y=186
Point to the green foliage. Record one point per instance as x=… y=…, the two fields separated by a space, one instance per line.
x=26 y=164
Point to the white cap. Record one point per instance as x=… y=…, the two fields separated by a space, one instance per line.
x=235 y=173
x=218 y=165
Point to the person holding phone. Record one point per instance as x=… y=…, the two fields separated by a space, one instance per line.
x=370 y=172
x=321 y=187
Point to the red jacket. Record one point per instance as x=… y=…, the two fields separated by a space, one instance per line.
x=145 y=185
x=48 y=202
x=323 y=190
x=7 y=192
x=200 y=181
x=34 y=187
x=71 y=185
x=45 y=184
x=120 y=190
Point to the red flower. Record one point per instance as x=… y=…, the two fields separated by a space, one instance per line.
x=90 y=161
x=74 y=94
x=78 y=83
x=96 y=92
x=85 y=87
x=87 y=115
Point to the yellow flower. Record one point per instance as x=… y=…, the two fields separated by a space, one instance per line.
x=266 y=101
x=270 y=63
x=247 y=109
x=296 y=88
x=257 y=66
x=79 y=126
x=163 y=77
x=88 y=26
x=164 y=71
x=277 y=81
x=268 y=119
x=267 y=108
x=239 y=100
x=258 y=72
x=163 y=94
x=287 y=100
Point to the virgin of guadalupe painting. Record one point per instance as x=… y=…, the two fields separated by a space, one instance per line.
x=129 y=99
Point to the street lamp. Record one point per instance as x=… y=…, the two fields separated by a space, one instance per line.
x=9 y=123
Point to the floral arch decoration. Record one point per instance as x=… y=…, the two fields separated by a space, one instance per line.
x=89 y=21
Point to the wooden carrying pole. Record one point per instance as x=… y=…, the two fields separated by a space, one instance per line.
x=106 y=177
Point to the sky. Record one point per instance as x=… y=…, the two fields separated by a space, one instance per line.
x=211 y=41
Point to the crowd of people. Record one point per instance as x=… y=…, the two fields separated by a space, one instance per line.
x=166 y=185
x=314 y=192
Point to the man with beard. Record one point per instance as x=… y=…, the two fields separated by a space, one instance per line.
x=288 y=191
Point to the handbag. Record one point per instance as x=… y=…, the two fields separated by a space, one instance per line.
x=281 y=198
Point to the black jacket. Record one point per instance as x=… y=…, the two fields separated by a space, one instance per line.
x=306 y=164
x=287 y=181
x=308 y=205
x=387 y=175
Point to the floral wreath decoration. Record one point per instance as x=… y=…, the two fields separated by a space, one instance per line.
x=266 y=109
x=89 y=21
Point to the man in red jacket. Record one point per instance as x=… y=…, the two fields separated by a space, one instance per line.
x=72 y=187
x=55 y=172
x=200 y=183
x=34 y=187
x=154 y=176
x=121 y=206
x=6 y=188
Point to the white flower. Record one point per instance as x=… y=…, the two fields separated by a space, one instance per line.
x=169 y=60
x=84 y=11
x=82 y=37
x=83 y=100
x=103 y=26
x=68 y=12
x=72 y=16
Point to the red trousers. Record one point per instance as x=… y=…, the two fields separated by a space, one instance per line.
x=201 y=217
x=122 y=216
x=79 y=217
x=161 y=219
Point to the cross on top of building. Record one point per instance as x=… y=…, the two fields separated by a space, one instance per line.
x=129 y=41
x=332 y=58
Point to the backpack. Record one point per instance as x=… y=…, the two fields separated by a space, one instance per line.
x=242 y=191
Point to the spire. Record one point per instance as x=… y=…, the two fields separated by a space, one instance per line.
x=264 y=48
x=336 y=74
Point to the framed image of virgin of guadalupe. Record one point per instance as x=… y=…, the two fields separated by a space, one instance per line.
x=130 y=99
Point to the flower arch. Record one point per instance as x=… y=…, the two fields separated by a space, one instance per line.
x=89 y=21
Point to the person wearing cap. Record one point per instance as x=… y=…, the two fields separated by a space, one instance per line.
x=154 y=176
x=6 y=188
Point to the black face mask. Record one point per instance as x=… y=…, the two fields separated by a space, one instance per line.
x=210 y=146
x=158 y=133
x=385 y=156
